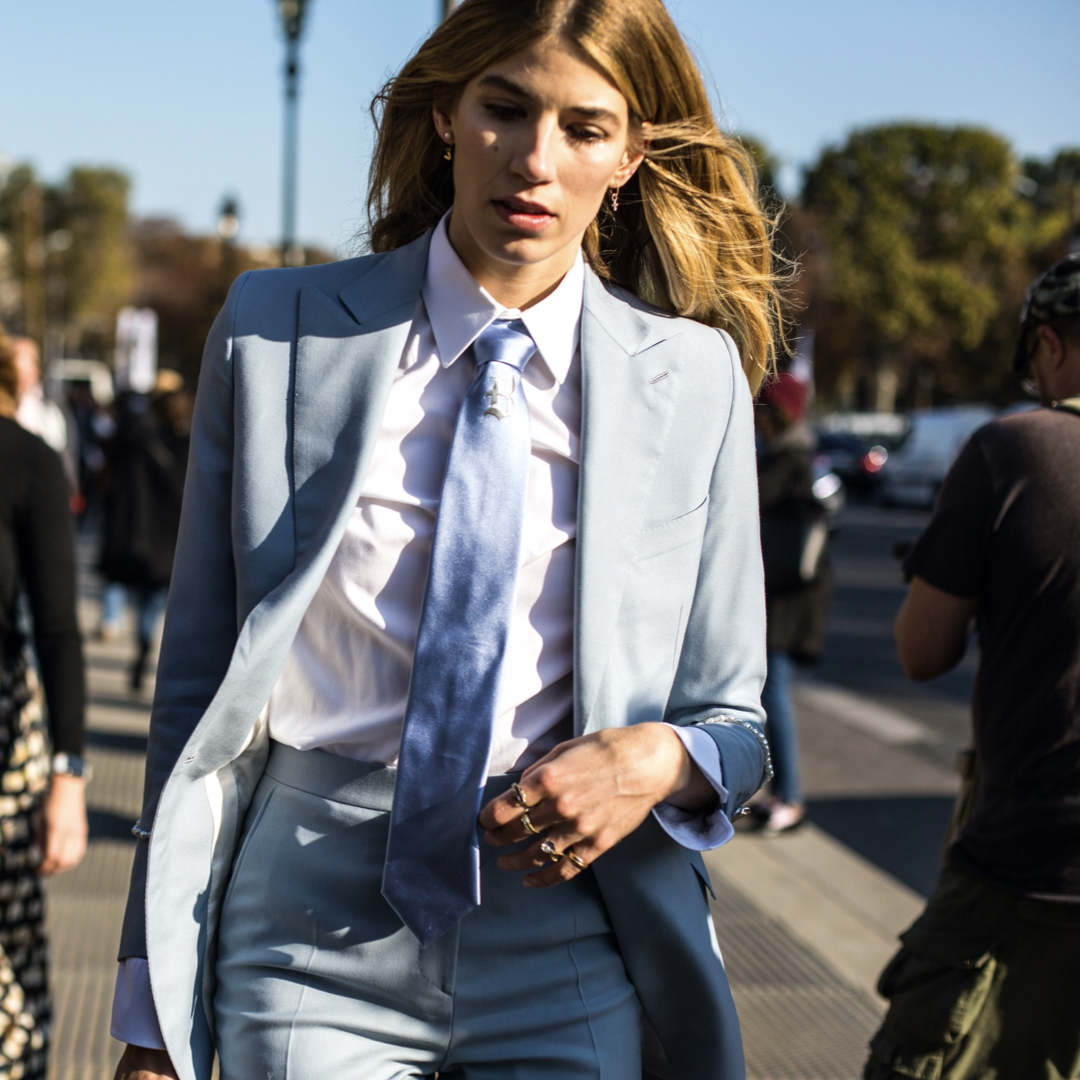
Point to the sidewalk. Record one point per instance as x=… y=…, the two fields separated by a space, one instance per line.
x=804 y=924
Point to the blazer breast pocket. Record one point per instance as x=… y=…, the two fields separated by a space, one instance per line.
x=672 y=534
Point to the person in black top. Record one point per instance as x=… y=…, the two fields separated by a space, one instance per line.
x=147 y=464
x=36 y=557
x=986 y=982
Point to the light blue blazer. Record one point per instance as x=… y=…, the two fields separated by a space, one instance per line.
x=669 y=606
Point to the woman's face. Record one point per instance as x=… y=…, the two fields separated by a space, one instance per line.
x=538 y=140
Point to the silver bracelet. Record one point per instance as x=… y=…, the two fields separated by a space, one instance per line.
x=767 y=774
x=139 y=832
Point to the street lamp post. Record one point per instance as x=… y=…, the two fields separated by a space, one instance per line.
x=228 y=228
x=292 y=23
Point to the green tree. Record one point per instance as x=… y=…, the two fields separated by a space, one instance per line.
x=925 y=241
x=1053 y=190
x=91 y=270
x=68 y=256
x=766 y=166
x=22 y=225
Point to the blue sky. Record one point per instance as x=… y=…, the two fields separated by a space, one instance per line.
x=186 y=95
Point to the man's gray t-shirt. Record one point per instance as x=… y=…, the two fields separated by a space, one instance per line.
x=1006 y=529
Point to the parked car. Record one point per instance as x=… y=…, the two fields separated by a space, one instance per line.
x=915 y=470
x=855 y=460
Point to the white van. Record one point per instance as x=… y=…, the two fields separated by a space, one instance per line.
x=914 y=471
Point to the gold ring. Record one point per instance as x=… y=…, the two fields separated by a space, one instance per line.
x=520 y=796
x=529 y=826
x=576 y=859
x=549 y=849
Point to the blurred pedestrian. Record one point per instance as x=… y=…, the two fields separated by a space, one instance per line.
x=42 y=806
x=986 y=983
x=798 y=582
x=39 y=413
x=147 y=459
x=35 y=411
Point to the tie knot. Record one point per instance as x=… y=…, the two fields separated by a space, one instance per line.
x=505 y=341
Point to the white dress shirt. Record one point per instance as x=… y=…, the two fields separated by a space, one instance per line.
x=346 y=679
x=345 y=682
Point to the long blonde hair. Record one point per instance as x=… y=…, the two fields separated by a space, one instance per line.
x=689 y=237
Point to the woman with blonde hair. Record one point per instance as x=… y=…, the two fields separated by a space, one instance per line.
x=463 y=655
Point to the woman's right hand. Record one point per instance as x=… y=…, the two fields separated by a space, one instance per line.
x=139 y=1063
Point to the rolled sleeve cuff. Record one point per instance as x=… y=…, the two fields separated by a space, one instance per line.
x=134 y=1018
x=697 y=831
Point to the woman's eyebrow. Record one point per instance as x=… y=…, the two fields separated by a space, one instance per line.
x=503 y=83
x=589 y=112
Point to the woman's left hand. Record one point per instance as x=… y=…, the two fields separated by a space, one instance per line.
x=65 y=824
x=590 y=793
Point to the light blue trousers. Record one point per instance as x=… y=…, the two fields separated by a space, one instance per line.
x=317 y=978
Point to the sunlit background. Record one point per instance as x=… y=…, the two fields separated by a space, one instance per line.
x=928 y=154
x=186 y=97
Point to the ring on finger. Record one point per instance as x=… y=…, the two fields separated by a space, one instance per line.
x=551 y=851
x=529 y=826
x=575 y=858
x=519 y=794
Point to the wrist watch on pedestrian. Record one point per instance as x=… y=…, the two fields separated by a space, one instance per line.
x=71 y=765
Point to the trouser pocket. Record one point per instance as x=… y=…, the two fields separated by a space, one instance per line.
x=936 y=985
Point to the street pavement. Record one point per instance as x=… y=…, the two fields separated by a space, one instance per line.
x=804 y=921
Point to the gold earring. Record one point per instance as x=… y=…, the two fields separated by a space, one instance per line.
x=614 y=200
x=449 y=155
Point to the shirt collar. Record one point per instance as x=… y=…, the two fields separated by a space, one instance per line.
x=459 y=309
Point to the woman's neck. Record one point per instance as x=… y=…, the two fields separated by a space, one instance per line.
x=514 y=285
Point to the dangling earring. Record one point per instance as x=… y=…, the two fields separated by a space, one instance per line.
x=449 y=155
x=614 y=200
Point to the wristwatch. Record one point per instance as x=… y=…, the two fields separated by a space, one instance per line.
x=71 y=765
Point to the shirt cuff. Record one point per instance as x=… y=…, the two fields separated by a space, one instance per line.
x=134 y=1018
x=698 y=831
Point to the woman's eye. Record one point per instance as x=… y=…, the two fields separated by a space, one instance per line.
x=585 y=135
x=503 y=112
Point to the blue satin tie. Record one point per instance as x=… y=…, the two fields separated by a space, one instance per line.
x=432 y=873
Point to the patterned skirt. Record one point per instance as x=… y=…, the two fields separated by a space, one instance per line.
x=25 y=1011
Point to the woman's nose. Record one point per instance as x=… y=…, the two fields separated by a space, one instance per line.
x=534 y=159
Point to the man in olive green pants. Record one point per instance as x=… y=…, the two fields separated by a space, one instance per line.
x=987 y=983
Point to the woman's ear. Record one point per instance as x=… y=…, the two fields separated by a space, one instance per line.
x=1052 y=346
x=633 y=156
x=444 y=122
x=629 y=166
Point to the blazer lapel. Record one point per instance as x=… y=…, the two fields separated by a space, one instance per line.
x=347 y=351
x=625 y=420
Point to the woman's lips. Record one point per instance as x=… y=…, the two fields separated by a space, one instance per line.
x=530 y=217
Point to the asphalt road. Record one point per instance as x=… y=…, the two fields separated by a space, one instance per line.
x=889 y=801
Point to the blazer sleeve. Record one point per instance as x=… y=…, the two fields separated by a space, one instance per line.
x=723 y=662
x=200 y=629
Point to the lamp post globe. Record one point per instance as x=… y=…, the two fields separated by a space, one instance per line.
x=228 y=225
x=292 y=18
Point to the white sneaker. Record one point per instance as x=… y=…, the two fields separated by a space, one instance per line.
x=784 y=817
